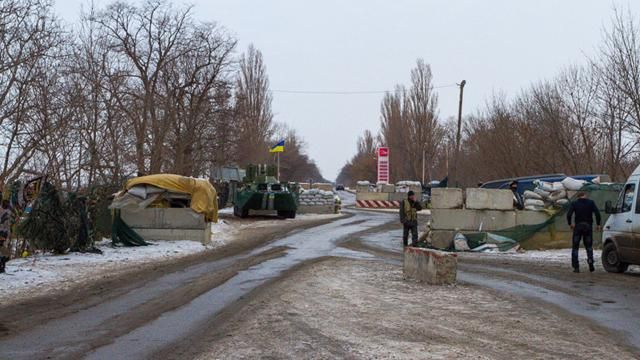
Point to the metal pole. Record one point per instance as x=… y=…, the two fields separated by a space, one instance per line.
x=454 y=172
x=278 y=167
x=422 y=166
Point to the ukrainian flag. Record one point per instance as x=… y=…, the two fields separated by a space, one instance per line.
x=279 y=147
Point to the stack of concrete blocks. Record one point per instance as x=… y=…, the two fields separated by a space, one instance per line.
x=389 y=194
x=480 y=210
x=431 y=266
x=489 y=210
x=156 y=224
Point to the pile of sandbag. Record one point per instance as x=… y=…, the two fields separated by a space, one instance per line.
x=406 y=185
x=551 y=194
x=315 y=197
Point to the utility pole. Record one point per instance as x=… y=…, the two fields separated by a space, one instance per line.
x=423 y=166
x=454 y=177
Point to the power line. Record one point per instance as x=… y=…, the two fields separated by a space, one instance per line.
x=315 y=92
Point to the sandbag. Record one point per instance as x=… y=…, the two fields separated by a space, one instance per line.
x=562 y=202
x=534 y=202
x=543 y=193
x=557 y=195
x=534 y=208
x=528 y=194
x=549 y=186
x=572 y=184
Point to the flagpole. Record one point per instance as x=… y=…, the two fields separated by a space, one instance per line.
x=278 y=166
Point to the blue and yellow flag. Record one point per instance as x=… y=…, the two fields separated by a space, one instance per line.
x=279 y=147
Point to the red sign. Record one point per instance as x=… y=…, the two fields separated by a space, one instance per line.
x=383 y=165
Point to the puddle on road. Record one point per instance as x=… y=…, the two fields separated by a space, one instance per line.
x=306 y=245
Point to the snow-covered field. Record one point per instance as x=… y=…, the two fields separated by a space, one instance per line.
x=41 y=273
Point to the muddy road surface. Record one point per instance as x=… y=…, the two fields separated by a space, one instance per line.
x=609 y=300
x=170 y=312
x=155 y=312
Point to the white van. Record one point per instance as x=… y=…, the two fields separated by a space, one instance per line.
x=621 y=233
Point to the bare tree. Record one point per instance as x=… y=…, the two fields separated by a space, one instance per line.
x=29 y=32
x=253 y=108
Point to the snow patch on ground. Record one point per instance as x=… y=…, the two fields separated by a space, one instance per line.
x=42 y=273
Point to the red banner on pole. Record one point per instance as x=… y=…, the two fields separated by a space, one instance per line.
x=383 y=165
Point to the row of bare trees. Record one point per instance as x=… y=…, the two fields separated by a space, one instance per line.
x=586 y=120
x=129 y=89
x=409 y=126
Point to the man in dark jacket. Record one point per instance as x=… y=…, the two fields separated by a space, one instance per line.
x=518 y=201
x=584 y=209
x=409 y=218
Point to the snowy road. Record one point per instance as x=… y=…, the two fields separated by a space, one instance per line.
x=149 y=316
x=165 y=310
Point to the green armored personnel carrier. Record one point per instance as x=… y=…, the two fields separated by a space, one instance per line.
x=261 y=191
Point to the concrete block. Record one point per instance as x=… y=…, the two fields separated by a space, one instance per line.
x=527 y=217
x=446 y=198
x=201 y=235
x=164 y=218
x=489 y=199
x=376 y=196
x=441 y=239
x=398 y=196
x=431 y=266
x=388 y=188
x=471 y=220
x=362 y=188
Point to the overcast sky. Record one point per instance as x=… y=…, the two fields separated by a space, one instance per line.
x=368 y=45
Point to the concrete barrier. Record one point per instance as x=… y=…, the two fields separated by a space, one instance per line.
x=446 y=198
x=528 y=217
x=388 y=188
x=489 y=199
x=441 y=239
x=471 y=220
x=431 y=266
x=161 y=218
x=399 y=196
x=372 y=196
x=156 y=224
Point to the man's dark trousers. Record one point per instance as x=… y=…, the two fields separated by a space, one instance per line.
x=413 y=227
x=584 y=232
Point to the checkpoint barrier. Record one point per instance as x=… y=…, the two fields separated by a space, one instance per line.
x=378 y=204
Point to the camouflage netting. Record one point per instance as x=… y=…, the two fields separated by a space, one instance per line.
x=514 y=235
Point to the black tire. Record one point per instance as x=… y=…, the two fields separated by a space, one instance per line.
x=244 y=213
x=611 y=259
x=287 y=214
x=236 y=211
